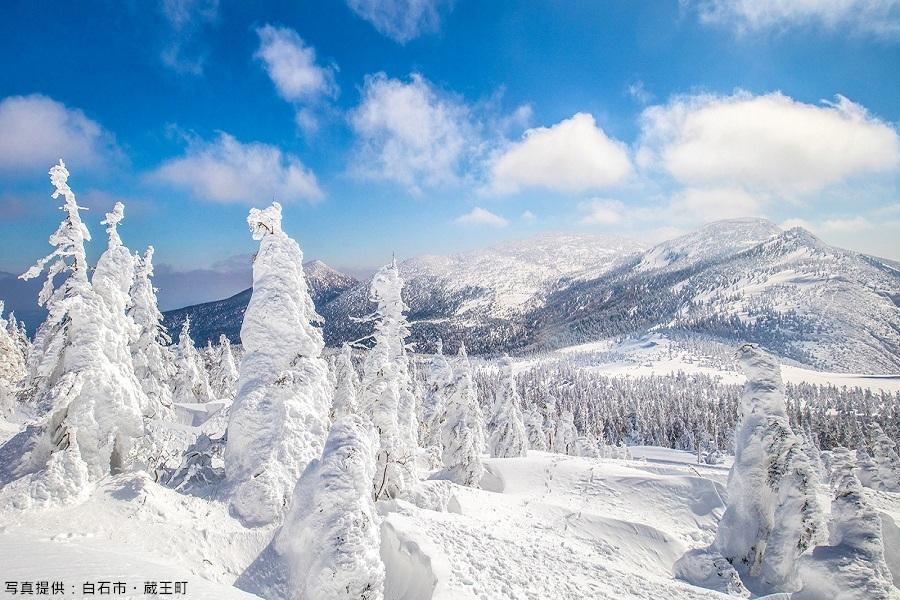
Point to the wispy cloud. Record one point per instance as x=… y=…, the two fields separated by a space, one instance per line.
x=36 y=131
x=411 y=133
x=402 y=20
x=184 y=51
x=480 y=216
x=228 y=171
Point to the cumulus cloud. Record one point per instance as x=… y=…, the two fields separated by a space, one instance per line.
x=411 y=134
x=768 y=143
x=480 y=216
x=879 y=17
x=292 y=67
x=36 y=131
x=572 y=156
x=228 y=171
x=184 y=51
x=713 y=204
x=402 y=20
x=601 y=211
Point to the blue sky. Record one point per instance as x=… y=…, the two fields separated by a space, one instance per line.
x=431 y=126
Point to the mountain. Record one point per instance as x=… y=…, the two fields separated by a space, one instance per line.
x=819 y=305
x=735 y=280
x=210 y=319
x=481 y=297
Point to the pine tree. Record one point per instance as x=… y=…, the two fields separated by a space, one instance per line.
x=887 y=460
x=509 y=438
x=346 y=386
x=437 y=387
x=386 y=395
x=12 y=365
x=460 y=452
x=330 y=541
x=772 y=515
x=852 y=566
x=278 y=422
x=224 y=372
x=564 y=440
x=87 y=395
x=534 y=426
x=191 y=384
x=150 y=352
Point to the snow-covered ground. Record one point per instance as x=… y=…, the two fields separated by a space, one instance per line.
x=656 y=354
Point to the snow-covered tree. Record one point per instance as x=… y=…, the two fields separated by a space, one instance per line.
x=191 y=382
x=278 y=422
x=461 y=454
x=330 y=541
x=509 y=438
x=586 y=446
x=150 y=353
x=534 y=427
x=17 y=332
x=224 y=373
x=437 y=387
x=852 y=566
x=12 y=364
x=551 y=417
x=386 y=395
x=79 y=372
x=346 y=386
x=114 y=273
x=887 y=460
x=772 y=515
x=867 y=469
x=564 y=439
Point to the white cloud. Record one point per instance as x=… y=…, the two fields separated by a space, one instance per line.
x=410 y=134
x=480 y=216
x=36 y=131
x=402 y=20
x=291 y=65
x=226 y=170
x=183 y=51
x=601 y=211
x=845 y=225
x=528 y=216
x=639 y=92
x=572 y=156
x=880 y=17
x=766 y=143
x=705 y=204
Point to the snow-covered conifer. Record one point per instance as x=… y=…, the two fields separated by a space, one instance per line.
x=330 y=540
x=12 y=365
x=586 y=446
x=551 y=417
x=191 y=382
x=346 y=385
x=460 y=452
x=150 y=353
x=772 y=515
x=224 y=373
x=564 y=439
x=437 y=387
x=278 y=422
x=509 y=438
x=16 y=331
x=867 y=469
x=852 y=566
x=82 y=385
x=887 y=460
x=534 y=426
x=386 y=394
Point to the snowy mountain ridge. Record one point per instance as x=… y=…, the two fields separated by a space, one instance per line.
x=741 y=279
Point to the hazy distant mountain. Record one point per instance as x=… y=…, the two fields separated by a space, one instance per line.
x=210 y=319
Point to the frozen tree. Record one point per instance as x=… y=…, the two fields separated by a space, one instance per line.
x=346 y=384
x=12 y=364
x=191 y=382
x=772 y=515
x=867 y=469
x=16 y=331
x=150 y=353
x=550 y=417
x=79 y=373
x=509 y=438
x=224 y=373
x=114 y=274
x=330 y=541
x=278 y=422
x=564 y=439
x=534 y=427
x=386 y=394
x=852 y=566
x=437 y=386
x=886 y=460
x=460 y=452
x=586 y=446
